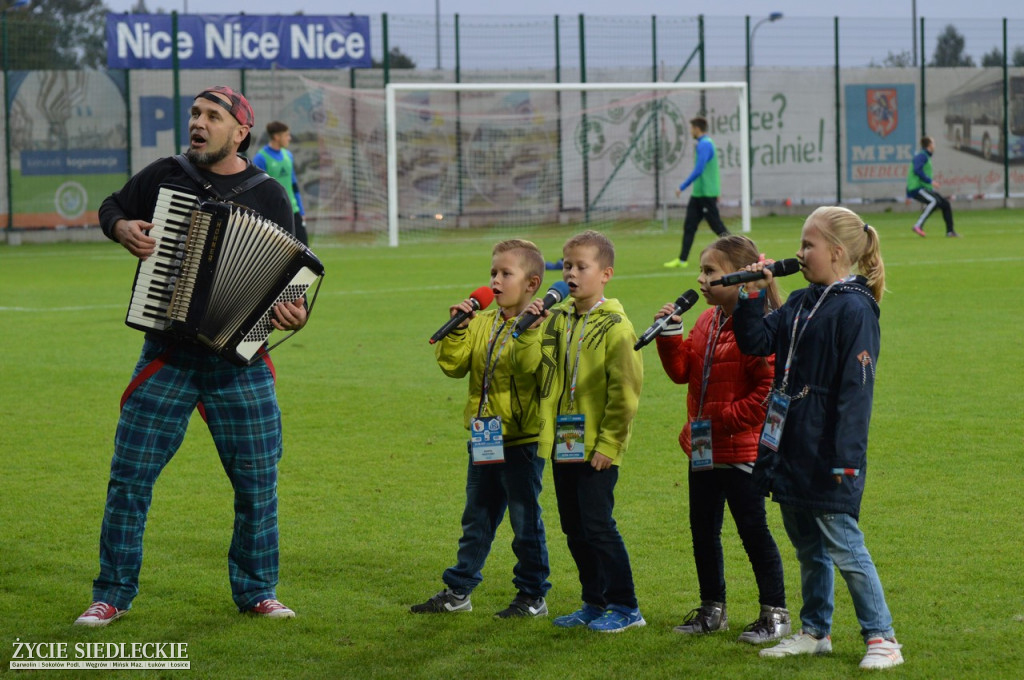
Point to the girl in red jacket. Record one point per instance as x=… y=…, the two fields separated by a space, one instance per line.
x=725 y=406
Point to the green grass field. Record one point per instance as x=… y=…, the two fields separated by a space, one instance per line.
x=372 y=478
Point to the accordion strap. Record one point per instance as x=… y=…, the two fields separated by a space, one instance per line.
x=156 y=364
x=207 y=185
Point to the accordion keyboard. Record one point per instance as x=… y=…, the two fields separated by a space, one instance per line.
x=158 y=274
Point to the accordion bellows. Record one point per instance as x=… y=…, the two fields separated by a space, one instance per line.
x=218 y=270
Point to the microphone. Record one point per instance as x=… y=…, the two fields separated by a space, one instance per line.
x=479 y=298
x=558 y=291
x=685 y=301
x=780 y=268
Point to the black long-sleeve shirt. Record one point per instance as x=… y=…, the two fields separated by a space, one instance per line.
x=136 y=200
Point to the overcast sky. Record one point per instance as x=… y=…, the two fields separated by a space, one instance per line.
x=980 y=9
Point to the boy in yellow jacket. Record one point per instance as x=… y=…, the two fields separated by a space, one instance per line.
x=590 y=380
x=503 y=417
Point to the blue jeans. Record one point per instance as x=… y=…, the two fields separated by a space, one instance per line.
x=822 y=539
x=586 y=499
x=490 y=489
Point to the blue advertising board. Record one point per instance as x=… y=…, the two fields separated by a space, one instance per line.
x=881 y=126
x=204 y=41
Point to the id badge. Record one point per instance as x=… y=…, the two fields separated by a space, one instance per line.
x=569 y=446
x=486 y=444
x=774 y=420
x=700 y=445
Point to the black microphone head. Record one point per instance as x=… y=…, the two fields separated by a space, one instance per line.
x=786 y=267
x=687 y=300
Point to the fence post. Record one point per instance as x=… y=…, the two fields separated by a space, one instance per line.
x=924 y=106
x=176 y=88
x=656 y=111
x=128 y=122
x=1006 y=118
x=700 y=63
x=387 y=51
x=7 y=128
x=353 y=133
x=558 y=120
x=458 y=117
x=584 y=130
x=750 y=108
x=839 y=118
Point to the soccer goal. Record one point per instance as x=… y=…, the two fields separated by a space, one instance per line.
x=522 y=156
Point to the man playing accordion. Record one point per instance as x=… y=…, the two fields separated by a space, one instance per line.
x=174 y=376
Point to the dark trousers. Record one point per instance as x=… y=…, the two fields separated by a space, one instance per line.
x=709 y=492
x=700 y=208
x=490 y=490
x=585 y=502
x=245 y=421
x=933 y=200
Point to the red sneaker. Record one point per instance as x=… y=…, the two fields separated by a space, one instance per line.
x=272 y=609
x=919 y=231
x=99 y=614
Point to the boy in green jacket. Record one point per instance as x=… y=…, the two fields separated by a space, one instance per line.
x=504 y=471
x=590 y=379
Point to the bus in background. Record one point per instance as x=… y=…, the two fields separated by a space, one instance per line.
x=974 y=118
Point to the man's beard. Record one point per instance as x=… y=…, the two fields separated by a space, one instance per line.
x=205 y=159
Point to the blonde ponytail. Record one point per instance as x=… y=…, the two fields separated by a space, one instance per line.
x=870 y=263
x=859 y=240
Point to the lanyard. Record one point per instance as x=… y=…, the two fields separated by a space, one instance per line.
x=489 y=366
x=794 y=339
x=709 y=352
x=579 y=350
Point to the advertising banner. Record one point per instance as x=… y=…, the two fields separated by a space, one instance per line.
x=881 y=132
x=68 y=145
x=205 y=41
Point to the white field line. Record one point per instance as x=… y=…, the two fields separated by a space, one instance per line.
x=469 y=287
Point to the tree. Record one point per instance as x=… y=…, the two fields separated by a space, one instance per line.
x=949 y=50
x=396 y=59
x=993 y=58
x=902 y=60
x=57 y=34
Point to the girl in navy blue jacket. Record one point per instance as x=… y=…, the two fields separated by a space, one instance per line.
x=812 y=455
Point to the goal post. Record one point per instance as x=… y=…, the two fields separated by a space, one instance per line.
x=519 y=155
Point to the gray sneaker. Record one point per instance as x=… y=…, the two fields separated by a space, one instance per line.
x=773 y=624
x=444 y=602
x=709 y=617
x=524 y=606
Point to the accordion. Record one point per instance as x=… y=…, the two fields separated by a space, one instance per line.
x=217 y=273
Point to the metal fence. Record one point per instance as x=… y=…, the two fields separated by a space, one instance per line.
x=72 y=136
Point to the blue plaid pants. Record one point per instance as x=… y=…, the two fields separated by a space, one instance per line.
x=245 y=421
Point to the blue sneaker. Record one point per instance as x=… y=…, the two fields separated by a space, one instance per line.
x=581 y=617
x=617 y=620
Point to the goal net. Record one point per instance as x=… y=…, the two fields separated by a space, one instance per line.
x=518 y=157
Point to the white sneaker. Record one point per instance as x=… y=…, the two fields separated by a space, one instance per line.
x=882 y=653
x=801 y=643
